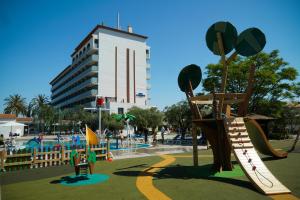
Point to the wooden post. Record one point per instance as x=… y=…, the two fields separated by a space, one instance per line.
x=228 y=110
x=224 y=74
x=243 y=107
x=195 y=145
x=107 y=148
x=2 y=159
x=62 y=154
x=34 y=157
x=195 y=115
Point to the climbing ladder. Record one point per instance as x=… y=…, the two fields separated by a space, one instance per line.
x=83 y=165
x=249 y=160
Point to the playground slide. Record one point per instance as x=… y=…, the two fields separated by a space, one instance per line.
x=260 y=140
x=249 y=160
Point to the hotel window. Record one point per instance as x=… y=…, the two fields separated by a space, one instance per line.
x=121 y=111
x=80 y=53
x=88 y=46
x=96 y=41
x=83 y=49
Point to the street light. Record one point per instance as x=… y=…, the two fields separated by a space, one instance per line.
x=56 y=124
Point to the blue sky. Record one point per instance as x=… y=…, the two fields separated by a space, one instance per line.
x=38 y=37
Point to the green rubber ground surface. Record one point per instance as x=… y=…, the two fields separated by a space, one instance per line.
x=180 y=180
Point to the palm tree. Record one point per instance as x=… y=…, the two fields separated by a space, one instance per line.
x=40 y=109
x=29 y=110
x=15 y=104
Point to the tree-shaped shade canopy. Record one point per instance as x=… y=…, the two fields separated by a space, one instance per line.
x=120 y=117
x=191 y=73
x=229 y=37
x=250 y=42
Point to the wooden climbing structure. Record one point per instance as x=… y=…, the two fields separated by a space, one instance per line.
x=227 y=133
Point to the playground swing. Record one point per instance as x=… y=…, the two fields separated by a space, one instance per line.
x=224 y=132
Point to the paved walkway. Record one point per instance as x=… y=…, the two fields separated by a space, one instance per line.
x=152 y=151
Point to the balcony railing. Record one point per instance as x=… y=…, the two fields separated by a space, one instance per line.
x=93 y=49
x=88 y=72
x=89 y=82
x=93 y=59
x=148 y=76
x=148 y=87
x=89 y=93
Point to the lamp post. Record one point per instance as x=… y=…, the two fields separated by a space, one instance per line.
x=56 y=124
x=99 y=104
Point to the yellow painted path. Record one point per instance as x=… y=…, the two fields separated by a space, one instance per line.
x=283 y=197
x=144 y=180
x=145 y=185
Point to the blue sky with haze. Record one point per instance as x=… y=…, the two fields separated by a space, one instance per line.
x=38 y=37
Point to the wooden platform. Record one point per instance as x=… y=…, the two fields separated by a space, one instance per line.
x=249 y=160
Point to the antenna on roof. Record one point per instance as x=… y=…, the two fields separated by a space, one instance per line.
x=118 y=21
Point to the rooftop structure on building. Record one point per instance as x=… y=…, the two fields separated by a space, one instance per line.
x=108 y=62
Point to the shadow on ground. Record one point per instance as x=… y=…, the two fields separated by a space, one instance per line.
x=34 y=174
x=134 y=166
x=70 y=180
x=188 y=172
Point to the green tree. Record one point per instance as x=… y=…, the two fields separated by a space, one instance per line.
x=15 y=104
x=179 y=116
x=145 y=119
x=110 y=123
x=155 y=119
x=141 y=120
x=274 y=81
x=40 y=110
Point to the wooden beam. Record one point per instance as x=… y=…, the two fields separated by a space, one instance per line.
x=224 y=74
x=209 y=102
x=243 y=107
x=218 y=96
x=202 y=97
x=231 y=58
x=195 y=115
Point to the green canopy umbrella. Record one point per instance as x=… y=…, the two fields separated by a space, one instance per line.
x=127 y=118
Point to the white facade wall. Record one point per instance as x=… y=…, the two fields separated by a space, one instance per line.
x=108 y=41
x=104 y=51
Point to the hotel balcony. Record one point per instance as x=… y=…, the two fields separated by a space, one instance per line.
x=92 y=71
x=89 y=93
x=148 y=53
x=93 y=59
x=92 y=49
x=148 y=76
x=87 y=83
x=148 y=87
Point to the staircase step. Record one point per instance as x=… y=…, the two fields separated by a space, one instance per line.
x=240 y=139
x=238 y=134
x=242 y=146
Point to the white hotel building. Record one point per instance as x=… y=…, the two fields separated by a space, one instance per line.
x=111 y=63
